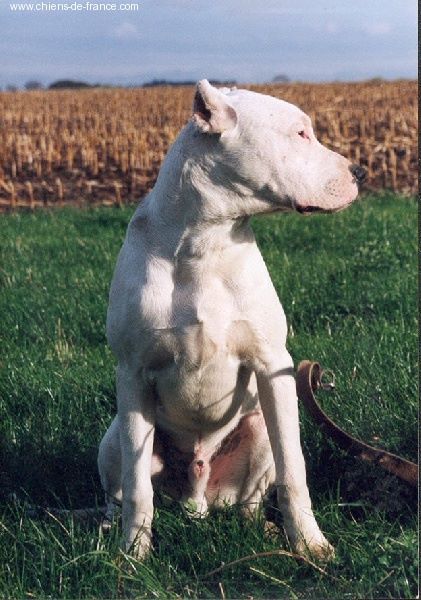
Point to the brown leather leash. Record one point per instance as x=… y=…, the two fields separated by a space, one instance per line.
x=311 y=377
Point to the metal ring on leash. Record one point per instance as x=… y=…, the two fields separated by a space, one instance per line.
x=309 y=378
x=330 y=384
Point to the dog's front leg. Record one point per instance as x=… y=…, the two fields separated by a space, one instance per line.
x=136 y=416
x=277 y=394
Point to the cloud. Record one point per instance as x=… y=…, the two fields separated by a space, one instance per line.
x=380 y=28
x=126 y=30
x=247 y=40
x=331 y=27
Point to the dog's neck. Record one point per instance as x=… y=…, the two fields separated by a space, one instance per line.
x=192 y=215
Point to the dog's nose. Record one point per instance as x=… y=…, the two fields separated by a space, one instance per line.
x=358 y=172
x=200 y=463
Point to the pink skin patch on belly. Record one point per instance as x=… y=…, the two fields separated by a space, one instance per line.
x=224 y=464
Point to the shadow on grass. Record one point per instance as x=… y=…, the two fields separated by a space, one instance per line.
x=65 y=475
x=58 y=474
x=361 y=486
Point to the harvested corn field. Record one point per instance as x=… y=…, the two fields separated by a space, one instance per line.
x=105 y=146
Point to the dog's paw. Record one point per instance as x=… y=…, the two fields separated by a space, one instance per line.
x=140 y=547
x=316 y=548
x=271 y=530
x=105 y=525
x=305 y=536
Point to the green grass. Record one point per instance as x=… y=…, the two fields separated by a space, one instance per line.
x=348 y=286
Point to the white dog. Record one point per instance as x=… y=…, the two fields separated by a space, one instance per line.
x=207 y=406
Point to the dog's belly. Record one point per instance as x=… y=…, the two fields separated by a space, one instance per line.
x=201 y=385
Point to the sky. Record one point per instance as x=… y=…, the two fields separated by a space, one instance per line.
x=241 y=40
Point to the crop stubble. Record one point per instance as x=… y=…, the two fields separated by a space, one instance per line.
x=105 y=146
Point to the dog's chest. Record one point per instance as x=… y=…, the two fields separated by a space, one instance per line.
x=196 y=346
x=198 y=374
x=189 y=347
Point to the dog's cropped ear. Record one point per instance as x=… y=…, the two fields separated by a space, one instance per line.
x=212 y=112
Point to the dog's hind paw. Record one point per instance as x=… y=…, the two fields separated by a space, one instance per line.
x=106 y=525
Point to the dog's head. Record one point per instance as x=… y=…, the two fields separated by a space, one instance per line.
x=267 y=148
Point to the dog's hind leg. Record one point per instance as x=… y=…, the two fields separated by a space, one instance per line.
x=109 y=466
x=260 y=472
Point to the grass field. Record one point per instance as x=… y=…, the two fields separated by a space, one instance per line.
x=348 y=286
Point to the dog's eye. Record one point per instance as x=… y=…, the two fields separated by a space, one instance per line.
x=303 y=135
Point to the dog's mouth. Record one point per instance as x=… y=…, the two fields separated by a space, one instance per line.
x=306 y=210
x=309 y=210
